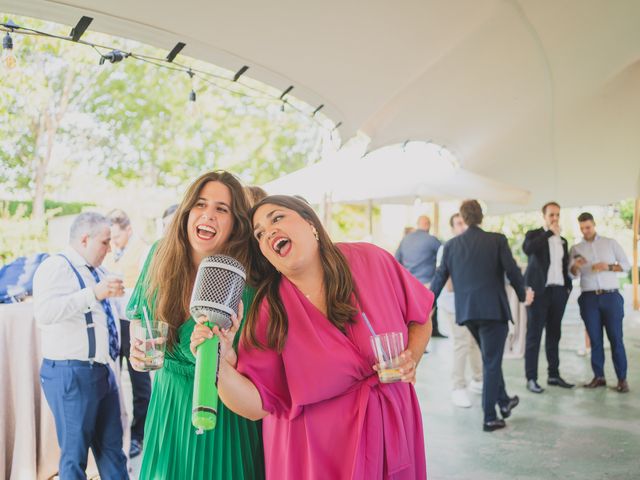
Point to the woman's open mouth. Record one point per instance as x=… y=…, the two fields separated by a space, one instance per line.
x=205 y=232
x=282 y=246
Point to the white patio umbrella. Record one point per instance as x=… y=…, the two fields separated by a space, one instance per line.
x=393 y=175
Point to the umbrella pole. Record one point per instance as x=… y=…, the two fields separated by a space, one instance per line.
x=634 y=271
x=436 y=219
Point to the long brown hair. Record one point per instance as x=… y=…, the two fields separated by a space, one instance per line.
x=338 y=282
x=172 y=271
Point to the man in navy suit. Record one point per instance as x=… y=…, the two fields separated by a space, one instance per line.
x=548 y=275
x=477 y=262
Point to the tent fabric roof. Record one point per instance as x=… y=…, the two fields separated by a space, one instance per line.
x=538 y=94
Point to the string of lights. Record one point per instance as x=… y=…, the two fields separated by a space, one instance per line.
x=109 y=54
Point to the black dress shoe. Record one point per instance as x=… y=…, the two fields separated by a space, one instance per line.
x=533 y=386
x=496 y=424
x=506 y=410
x=559 y=382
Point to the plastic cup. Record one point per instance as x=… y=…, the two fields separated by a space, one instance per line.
x=387 y=348
x=152 y=341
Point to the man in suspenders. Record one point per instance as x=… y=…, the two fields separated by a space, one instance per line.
x=80 y=338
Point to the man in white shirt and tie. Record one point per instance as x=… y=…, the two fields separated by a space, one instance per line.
x=80 y=340
x=597 y=261
x=547 y=274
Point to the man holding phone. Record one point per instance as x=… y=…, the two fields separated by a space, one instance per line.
x=547 y=273
x=597 y=260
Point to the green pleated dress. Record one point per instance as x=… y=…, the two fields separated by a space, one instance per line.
x=171 y=449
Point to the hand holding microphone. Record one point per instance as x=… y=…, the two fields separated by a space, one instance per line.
x=201 y=332
x=215 y=301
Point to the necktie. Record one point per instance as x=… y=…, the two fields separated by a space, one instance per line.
x=114 y=348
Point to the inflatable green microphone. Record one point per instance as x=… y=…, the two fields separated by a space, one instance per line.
x=216 y=295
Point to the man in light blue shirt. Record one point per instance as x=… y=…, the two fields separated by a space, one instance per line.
x=417 y=252
x=597 y=260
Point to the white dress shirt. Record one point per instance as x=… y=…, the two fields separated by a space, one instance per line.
x=60 y=305
x=601 y=249
x=556 y=253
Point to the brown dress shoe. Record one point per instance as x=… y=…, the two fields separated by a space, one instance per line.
x=623 y=386
x=596 y=382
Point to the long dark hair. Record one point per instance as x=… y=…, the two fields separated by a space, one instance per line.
x=338 y=283
x=172 y=272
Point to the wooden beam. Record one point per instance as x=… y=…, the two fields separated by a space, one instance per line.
x=634 y=271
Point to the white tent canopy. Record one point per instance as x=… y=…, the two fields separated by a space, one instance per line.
x=538 y=94
x=393 y=175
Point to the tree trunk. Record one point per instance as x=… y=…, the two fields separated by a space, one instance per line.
x=50 y=122
x=42 y=164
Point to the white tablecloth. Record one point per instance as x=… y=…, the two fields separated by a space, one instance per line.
x=28 y=444
x=515 y=344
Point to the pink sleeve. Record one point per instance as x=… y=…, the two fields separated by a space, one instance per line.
x=411 y=293
x=265 y=368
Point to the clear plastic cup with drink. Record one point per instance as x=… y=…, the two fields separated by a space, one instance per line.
x=387 y=348
x=151 y=338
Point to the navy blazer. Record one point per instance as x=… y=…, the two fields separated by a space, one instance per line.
x=477 y=262
x=536 y=247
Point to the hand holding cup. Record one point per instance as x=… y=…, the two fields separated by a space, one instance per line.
x=147 y=345
x=110 y=286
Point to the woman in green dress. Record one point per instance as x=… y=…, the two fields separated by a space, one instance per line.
x=212 y=219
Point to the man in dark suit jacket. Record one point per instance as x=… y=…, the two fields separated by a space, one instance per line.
x=477 y=262
x=548 y=275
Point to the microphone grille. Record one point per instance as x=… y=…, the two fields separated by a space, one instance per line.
x=218 y=289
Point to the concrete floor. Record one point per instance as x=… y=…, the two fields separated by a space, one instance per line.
x=568 y=434
x=564 y=434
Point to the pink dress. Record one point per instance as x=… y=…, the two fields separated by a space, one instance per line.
x=330 y=417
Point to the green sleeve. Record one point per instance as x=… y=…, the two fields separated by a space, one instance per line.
x=138 y=298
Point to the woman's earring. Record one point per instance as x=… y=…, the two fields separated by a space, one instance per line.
x=315 y=233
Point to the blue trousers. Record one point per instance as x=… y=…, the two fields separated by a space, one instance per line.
x=491 y=336
x=605 y=310
x=86 y=408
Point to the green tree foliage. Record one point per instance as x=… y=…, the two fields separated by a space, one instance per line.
x=130 y=121
x=23 y=209
x=625 y=208
x=20 y=236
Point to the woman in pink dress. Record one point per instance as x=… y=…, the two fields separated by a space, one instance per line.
x=305 y=363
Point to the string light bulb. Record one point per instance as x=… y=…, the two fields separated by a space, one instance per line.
x=192 y=108
x=8 y=58
x=114 y=56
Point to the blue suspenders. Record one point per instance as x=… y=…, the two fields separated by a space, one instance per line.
x=91 y=333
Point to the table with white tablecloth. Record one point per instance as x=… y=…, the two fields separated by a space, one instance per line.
x=28 y=444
